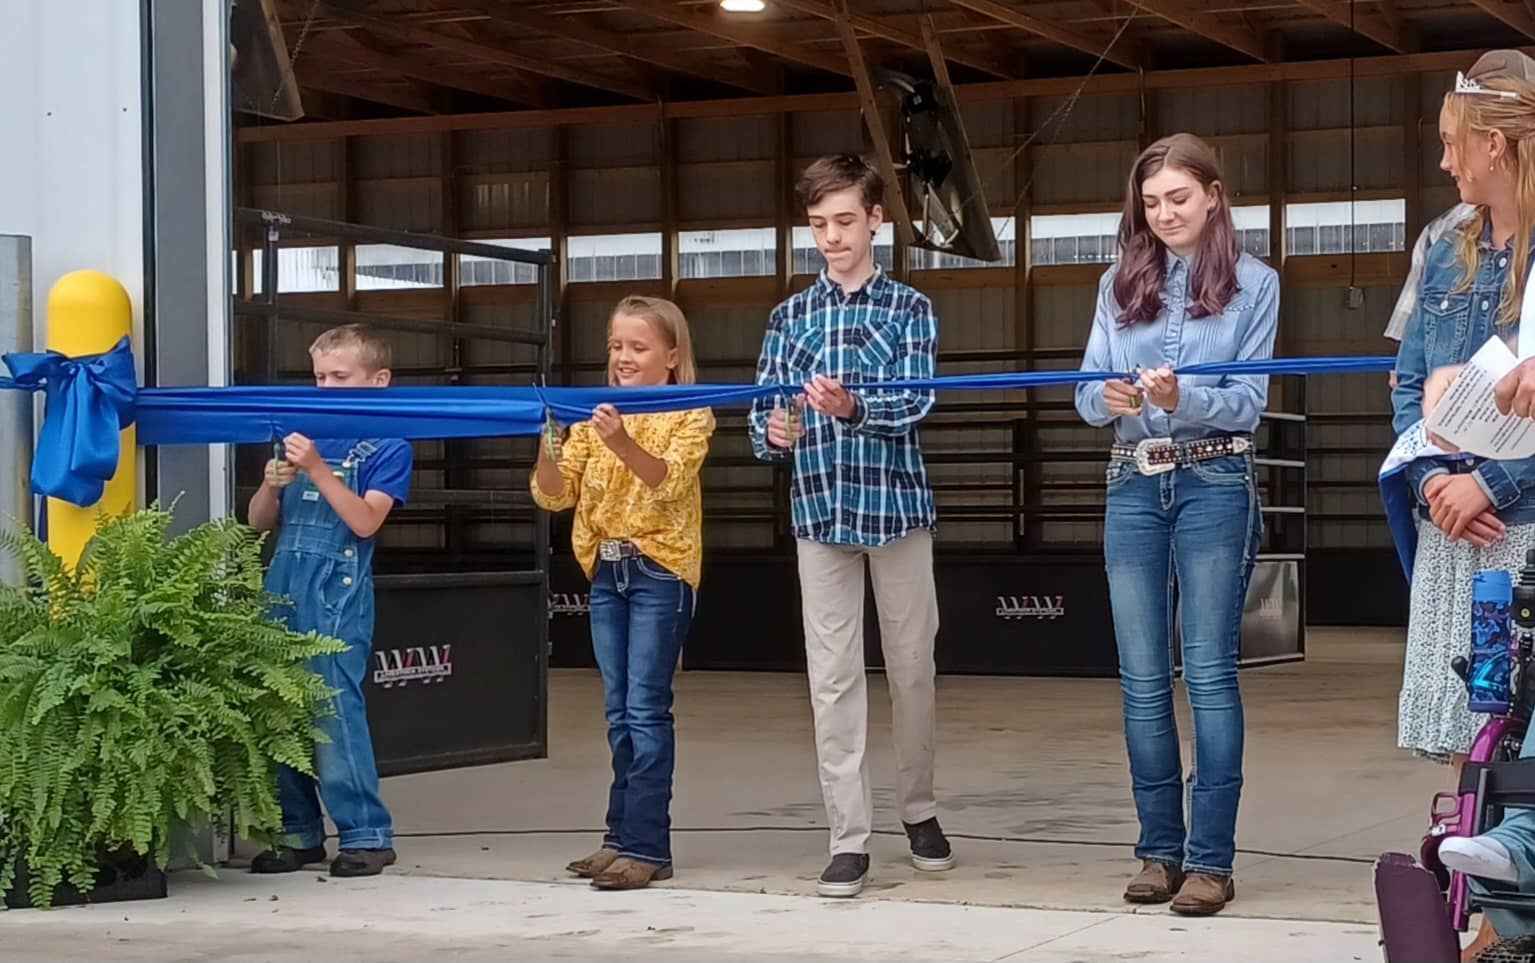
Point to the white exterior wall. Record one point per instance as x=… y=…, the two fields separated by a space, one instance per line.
x=71 y=173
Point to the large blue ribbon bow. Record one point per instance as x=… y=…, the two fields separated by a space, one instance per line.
x=89 y=401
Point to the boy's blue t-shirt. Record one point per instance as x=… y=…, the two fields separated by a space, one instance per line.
x=387 y=470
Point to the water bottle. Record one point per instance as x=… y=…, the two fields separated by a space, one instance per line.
x=1492 y=595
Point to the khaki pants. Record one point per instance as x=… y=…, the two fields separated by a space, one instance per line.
x=832 y=585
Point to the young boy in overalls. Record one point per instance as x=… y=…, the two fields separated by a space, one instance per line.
x=328 y=498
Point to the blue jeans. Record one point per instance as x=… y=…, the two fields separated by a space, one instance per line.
x=1517 y=834
x=640 y=615
x=1192 y=533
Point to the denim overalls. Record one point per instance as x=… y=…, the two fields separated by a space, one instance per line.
x=327 y=572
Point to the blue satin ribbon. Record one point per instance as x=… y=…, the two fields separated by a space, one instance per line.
x=89 y=400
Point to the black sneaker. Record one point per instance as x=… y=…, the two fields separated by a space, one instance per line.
x=287 y=859
x=930 y=850
x=361 y=862
x=844 y=875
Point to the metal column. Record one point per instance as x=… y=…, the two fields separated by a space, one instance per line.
x=15 y=406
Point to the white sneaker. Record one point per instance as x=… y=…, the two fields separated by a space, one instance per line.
x=1479 y=856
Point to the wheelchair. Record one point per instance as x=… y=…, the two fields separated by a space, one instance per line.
x=1424 y=906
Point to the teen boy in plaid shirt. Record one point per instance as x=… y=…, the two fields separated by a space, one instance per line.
x=860 y=492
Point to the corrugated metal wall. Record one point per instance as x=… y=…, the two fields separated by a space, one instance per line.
x=503 y=185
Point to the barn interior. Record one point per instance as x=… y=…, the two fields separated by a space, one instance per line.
x=486 y=178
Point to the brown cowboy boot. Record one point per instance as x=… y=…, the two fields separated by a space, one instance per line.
x=1155 y=883
x=591 y=866
x=1204 y=895
x=626 y=873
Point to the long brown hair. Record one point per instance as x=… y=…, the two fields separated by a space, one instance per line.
x=1143 y=256
x=1515 y=117
x=668 y=321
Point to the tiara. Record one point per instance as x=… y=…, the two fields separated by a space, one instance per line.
x=1464 y=86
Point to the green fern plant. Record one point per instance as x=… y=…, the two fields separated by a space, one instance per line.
x=148 y=686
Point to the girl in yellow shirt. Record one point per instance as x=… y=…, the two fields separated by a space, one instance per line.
x=633 y=482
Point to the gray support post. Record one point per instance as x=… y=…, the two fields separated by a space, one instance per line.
x=15 y=406
x=186 y=296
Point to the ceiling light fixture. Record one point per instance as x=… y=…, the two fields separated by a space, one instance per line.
x=743 y=6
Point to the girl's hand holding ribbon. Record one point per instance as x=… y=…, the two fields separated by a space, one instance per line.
x=1161 y=387
x=1122 y=398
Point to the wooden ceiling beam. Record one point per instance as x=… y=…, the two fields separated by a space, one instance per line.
x=895 y=198
x=324 y=105
x=1511 y=14
x=530 y=89
x=406 y=96
x=395 y=63
x=1342 y=69
x=1366 y=25
x=1241 y=39
x=611 y=41
x=1066 y=36
x=416 y=34
x=739 y=32
x=883 y=28
x=1393 y=16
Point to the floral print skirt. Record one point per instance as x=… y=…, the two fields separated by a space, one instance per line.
x=1432 y=719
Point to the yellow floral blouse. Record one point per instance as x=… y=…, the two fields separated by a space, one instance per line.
x=666 y=523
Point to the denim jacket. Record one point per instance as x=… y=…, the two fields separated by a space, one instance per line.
x=1448 y=328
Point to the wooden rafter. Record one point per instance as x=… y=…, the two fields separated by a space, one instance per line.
x=1241 y=39
x=883 y=27
x=1363 y=23
x=355 y=51
x=611 y=41
x=1515 y=15
x=1338 y=69
x=414 y=33
x=895 y=198
x=530 y=88
x=405 y=96
x=1014 y=17
x=1392 y=15
x=738 y=32
x=325 y=106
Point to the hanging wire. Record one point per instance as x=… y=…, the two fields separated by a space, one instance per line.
x=1058 y=117
x=303 y=35
x=1353 y=177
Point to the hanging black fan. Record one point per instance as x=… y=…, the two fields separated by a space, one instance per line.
x=943 y=192
x=261 y=74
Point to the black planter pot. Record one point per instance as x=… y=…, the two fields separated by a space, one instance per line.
x=117 y=879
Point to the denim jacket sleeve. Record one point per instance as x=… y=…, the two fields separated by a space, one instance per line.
x=1407 y=396
x=1505 y=481
x=1236 y=404
x=1098 y=356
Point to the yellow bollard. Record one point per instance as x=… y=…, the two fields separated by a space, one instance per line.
x=88 y=313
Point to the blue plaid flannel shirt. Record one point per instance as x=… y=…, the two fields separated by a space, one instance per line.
x=859 y=481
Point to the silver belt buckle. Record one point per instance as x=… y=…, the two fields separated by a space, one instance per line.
x=609 y=550
x=1153 y=456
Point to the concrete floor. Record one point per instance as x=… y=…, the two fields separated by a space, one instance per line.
x=1033 y=788
x=410 y=918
